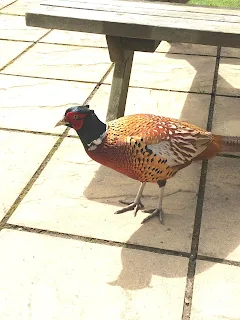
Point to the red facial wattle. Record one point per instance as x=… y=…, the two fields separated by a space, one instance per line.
x=75 y=119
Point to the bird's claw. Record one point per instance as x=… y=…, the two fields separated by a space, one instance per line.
x=140 y=204
x=154 y=213
x=130 y=206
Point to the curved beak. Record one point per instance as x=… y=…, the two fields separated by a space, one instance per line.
x=62 y=122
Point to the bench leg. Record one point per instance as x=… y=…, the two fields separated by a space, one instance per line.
x=121 y=76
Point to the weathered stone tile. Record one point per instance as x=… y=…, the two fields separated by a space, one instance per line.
x=4 y=3
x=63 y=62
x=75 y=38
x=14 y=28
x=10 y=50
x=188 y=107
x=228 y=79
x=186 y=48
x=37 y=104
x=221 y=219
x=226 y=120
x=216 y=292
x=20 y=7
x=79 y=196
x=20 y=155
x=172 y=72
x=230 y=52
x=69 y=277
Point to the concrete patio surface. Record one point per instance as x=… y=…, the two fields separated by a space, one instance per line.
x=64 y=254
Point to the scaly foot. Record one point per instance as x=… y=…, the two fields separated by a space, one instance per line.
x=130 y=206
x=154 y=213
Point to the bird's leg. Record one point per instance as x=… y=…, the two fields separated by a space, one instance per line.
x=137 y=204
x=158 y=211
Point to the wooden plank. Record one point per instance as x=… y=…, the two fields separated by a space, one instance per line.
x=134 y=26
x=154 y=6
x=133 y=19
x=162 y=11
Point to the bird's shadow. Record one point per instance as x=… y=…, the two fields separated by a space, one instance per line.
x=176 y=234
x=179 y=204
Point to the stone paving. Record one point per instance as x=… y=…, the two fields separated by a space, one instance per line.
x=64 y=254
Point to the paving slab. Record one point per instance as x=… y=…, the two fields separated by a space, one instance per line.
x=221 y=220
x=14 y=28
x=172 y=72
x=76 y=38
x=228 y=78
x=63 y=62
x=180 y=105
x=230 y=52
x=20 y=7
x=226 y=119
x=5 y=3
x=78 y=280
x=186 y=48
x=216 y=292
x=37 y=104
x=10 y=50
x=20 y=155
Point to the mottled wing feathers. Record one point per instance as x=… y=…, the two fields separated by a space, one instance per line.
x=177 y=142
x=181 y=145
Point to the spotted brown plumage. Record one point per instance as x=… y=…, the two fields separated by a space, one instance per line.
x=145 y=147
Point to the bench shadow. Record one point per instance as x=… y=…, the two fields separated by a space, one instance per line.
x=182 y=189
x=223 y=87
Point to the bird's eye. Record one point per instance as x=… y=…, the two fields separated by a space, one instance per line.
x=75 y=117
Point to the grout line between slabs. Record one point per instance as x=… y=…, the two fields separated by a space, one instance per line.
x=37 y=173
x=11 y=14
x=97 y=240
x=233 y=156
x=17 y=40
x=218 y=260
x=32 y=180
x=51 y=134
x=109 y=84
x=113 y=243
x=24 y=51
x=105 y=47
x=187 y=303
x=48 y=78
x=7 y=5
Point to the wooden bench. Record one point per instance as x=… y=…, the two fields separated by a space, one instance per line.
x=138 y=26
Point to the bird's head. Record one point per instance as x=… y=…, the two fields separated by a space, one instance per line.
x=75 y=116
x=84 y=120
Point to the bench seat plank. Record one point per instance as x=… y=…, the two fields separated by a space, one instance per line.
x=142 y=20
x=159 y=9
x=140 y=5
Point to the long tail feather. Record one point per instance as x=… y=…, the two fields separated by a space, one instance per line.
x=218 y=145
x=229 y=143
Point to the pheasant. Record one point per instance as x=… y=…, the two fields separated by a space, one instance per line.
x=145 y=147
